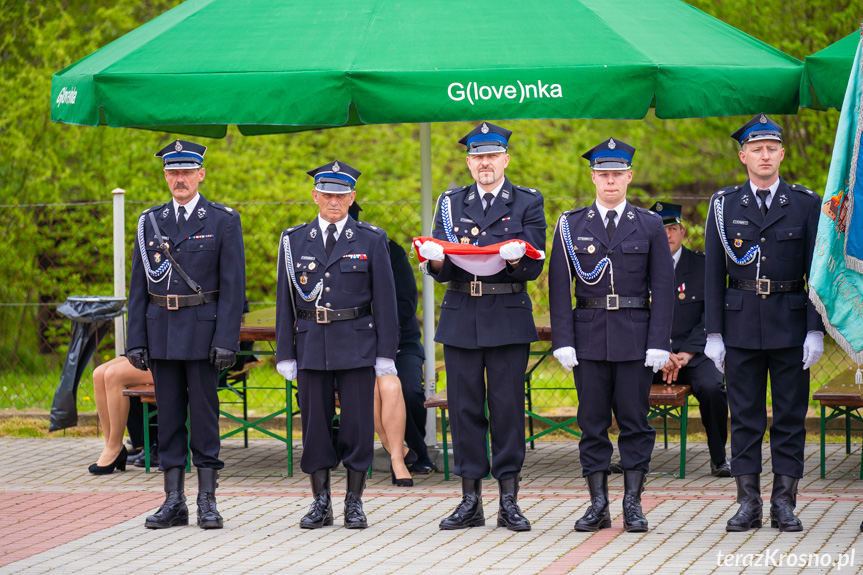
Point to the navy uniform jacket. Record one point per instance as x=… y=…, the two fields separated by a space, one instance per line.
x=410 y=337
x=356 y=274
x=643 y=268
x=687 y=329
x=787 y=239
x=499 y=319
x=210 y=250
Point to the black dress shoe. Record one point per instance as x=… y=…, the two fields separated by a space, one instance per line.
x=154 y=458
x=423 y=468
x=119 y=463
x=614 y=467
x=469 y=512
x=173 y=512
x=509 y=515
x=749 y=515
x=720 y=470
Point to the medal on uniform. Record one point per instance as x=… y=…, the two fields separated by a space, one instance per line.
x=738 y=243
x=474 y=231
x=304 y=279
x=157 y=257
x=591 y=248
x=455 y=229
x=312 y=266
x=681 y=295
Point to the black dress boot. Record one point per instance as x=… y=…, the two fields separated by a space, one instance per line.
x=354 y=516
x=749 y=514
x=469 y=512
x=597 y=516
x=509 y=515
x=321 y=511
x=634 y=520
x=173 y=511
x=208 y=515
x=783 y=500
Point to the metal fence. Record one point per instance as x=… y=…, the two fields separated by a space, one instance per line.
x=59 y=250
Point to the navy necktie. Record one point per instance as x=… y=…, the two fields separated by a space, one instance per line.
x=331 y=239
x=763 y=194
x=488 y=197
x=610 y=227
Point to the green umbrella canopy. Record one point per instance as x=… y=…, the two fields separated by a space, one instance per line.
x=293 y=64
x=825 y=74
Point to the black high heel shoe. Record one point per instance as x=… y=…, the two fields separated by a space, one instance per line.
x=119 y=464
x=409 y=482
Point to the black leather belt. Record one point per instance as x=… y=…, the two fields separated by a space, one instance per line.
x=766 y=287
x=612 y=302
x=173 y=302
x=485 y=288
x=327 y=315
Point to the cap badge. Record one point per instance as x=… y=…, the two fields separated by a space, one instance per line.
x=658 y=207
x=591 y=248
x=484 y=128
x=336 y=167
x=202 y=213
x=313 y=233
x=349 y=233
x=611 y=144
x=762 y=119
x=178 y=147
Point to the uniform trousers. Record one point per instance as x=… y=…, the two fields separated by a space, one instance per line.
x=355 y=443
x=708 y=387
x=410 y=368
x=622 y=387
x=467 y=392
x=187 y=387
x=746 y=375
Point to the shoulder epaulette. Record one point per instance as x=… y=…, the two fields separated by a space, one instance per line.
x=574 y=211
x=646 y=211
x=799 y=188
x=728 y=190
x=295 y=228
x=368 y=226
x=224 y=208
x=454 y=190
x=698 y=253
x=153 y=208
x=526 y=189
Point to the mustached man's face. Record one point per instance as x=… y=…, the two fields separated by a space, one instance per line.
x=184 y=183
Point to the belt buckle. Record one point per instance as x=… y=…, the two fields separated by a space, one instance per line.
x=475 y=288
x=612 y=302
x=321 y=315
x=760 y=288
x=173 y=302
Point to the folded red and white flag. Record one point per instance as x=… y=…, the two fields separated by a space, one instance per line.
x=478 y=260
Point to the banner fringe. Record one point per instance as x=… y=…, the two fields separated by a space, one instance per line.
x=856 y=356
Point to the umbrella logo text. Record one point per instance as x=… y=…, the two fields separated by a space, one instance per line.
x=474 y=92
x=67 y=96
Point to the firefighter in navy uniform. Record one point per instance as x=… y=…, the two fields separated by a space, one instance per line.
x=759 y=242
x=486 y=323
x=185 y=308
x=688 y=364
x=617 y=334
x=336 y=325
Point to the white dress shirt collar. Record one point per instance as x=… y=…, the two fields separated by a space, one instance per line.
x=188 y=206
x=603 y=211
x=323 y=224
x=676 y=256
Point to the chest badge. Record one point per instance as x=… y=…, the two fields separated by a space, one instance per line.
x=157 y=257
x=738 y=243
x=465 y=240
x=474 y=231
x=312 y=266
x=304 y=279
x=591 y=248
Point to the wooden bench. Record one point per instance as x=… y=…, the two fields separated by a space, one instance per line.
x=665 y=401
x=843 y=397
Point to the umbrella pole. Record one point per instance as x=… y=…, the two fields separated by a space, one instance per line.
x=427 y=203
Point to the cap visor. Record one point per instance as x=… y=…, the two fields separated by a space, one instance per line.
x=183 y=166
x=332 y=188
x=486 y=149
x=611 y=166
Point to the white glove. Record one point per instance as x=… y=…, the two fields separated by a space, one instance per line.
x=813 y=347
x=385 y=365
x=288 y=369
x=656 y=358
x=715 y=350
x=432 y=251
x=566 y=356
x=512 y=250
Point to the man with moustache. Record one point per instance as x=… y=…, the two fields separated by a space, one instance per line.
x=617 y=334
x=759 y=242
x=185 y=307
x=486 y=323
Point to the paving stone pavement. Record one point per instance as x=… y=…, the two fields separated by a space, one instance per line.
x=55 y=517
